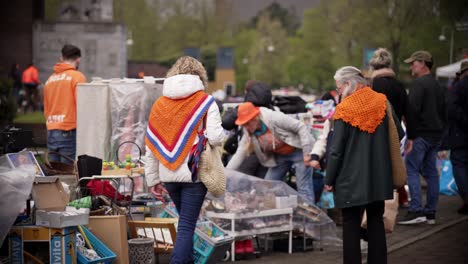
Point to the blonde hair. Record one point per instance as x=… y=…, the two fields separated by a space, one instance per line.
x=189 y=65
x=382 y=58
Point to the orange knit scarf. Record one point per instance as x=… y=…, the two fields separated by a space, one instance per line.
x=364 y=109
x=172 y=127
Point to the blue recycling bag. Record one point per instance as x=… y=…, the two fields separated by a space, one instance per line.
x=447 y=182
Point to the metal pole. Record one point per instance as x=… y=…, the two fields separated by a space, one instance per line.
x=451 y=46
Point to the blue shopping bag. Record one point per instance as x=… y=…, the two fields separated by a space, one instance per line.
x=326 y=200
x=447 y=182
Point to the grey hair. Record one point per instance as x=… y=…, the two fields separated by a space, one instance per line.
x=382 y=58
x=351 y=75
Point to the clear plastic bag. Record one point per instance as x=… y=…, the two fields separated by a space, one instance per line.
x=130 y=107
x=15 y=188
x=247 y=194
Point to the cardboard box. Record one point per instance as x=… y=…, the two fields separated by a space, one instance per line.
x=48 y=194
x=59 y=219
x=51 y=201
x=112 y=231
x=62 y=248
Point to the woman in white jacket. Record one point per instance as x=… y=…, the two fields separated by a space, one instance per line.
x=178 y=121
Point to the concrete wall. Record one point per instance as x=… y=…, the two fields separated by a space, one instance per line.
x=16 y=19
x=103 y=47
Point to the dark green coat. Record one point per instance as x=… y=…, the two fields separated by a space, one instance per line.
x=359 y=166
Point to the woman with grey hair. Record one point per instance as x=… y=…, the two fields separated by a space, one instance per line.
x=384 y=81
x=358 y=168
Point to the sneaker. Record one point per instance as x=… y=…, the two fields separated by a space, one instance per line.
x=239 y=247
x=430 y=217
x=413 y=218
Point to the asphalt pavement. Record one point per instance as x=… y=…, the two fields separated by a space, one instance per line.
x=444 y=242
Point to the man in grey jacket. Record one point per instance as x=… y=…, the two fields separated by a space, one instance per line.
x=279 y=141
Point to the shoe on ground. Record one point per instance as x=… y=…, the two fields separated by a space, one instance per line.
x=239 y=247
x=430 y=218
x=248 y=246
x=463 y=210
x=413 y=218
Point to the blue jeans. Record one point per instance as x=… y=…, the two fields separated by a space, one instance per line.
x=188 y=199
x=459 y=158
x=63 y=142
x=422 y=160
x=304 y=182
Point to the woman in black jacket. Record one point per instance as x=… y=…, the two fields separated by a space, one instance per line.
x=359 y=169
x=383 y=80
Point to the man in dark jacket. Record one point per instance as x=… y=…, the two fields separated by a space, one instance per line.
x=427 y=101
x=359 y=168
x=458 y=134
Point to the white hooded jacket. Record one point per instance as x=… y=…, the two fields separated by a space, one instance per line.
x=179 y=87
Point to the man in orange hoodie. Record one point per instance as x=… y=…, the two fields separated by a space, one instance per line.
x=30 y=80
x=60 y=104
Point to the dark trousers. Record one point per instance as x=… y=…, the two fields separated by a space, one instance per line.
x=188 y=199
x=459 y=158
x=377 y=247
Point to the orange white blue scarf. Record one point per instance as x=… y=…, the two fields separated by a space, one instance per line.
x=172 y=127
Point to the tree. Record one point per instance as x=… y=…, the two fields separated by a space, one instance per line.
x=267 y=58
x=287 y=17
x=244 y=39
x=311 y=53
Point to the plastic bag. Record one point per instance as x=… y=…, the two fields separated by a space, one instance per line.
x=326 y=200
x=248 y=194
x=15 y=188
x=447 y=182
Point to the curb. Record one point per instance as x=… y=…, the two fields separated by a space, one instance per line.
x=425 y=234
x=421 y=236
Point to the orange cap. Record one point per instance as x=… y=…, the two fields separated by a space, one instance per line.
x=246 y=112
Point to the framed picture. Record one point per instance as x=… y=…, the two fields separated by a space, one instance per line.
x=24 y=158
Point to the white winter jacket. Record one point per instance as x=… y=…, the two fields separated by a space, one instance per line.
x=178 y=87
x=291 y=131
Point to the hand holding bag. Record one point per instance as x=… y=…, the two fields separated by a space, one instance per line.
x=398 y=165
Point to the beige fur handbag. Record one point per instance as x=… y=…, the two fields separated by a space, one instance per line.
x=398 y=165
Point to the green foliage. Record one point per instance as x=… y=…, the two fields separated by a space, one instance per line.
x=267 y=58
x=243 y=41
x=333 y=34
x=7 y=102
x=30 y=118
x=287 y=18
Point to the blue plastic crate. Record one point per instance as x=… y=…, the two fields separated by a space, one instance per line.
x=107 y=256
x=210 y=248
x=206 y=249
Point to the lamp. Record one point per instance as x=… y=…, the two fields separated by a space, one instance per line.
x=443 y=38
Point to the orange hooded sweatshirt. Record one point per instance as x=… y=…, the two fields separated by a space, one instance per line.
x=31 y=75
x=60 y=97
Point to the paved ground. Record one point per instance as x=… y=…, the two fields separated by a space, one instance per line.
x=447 y=246
x=445 y=242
